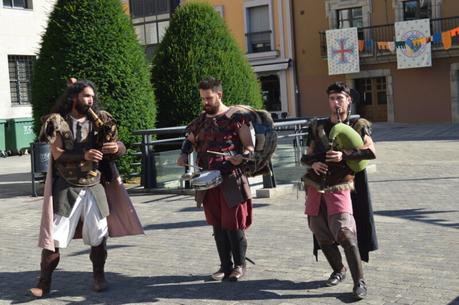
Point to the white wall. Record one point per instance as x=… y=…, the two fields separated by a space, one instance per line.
x=20 y=34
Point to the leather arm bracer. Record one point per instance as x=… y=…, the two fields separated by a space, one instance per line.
x=187 y=147
x=359 y=154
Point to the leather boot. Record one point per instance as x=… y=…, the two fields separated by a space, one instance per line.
x=98 y=256
x=333 y=256
x=224 y=253
x=49 y=262
x=238 y=248
x=354 y=262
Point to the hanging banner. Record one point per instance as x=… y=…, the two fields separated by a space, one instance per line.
x=342 y=51
x=416 y=53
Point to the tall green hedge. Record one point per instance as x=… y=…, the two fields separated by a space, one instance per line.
x=95 y=40
x=198 y=44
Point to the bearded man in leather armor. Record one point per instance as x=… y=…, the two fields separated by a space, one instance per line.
x=84 y=196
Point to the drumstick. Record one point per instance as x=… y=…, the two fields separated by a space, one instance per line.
x=223 y=154
x=217 y=153
x=200 y=168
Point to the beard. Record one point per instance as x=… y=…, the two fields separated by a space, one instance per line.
x=212 y=109
x=82 y=107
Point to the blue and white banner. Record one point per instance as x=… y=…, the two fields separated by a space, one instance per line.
x=342 y=51
x=416 y=53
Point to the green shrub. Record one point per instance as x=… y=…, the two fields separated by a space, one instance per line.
x=198 y=44
x=95 y=40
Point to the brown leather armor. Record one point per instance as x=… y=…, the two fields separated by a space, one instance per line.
x=71 y=165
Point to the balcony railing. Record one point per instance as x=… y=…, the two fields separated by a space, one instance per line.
x=373 y=34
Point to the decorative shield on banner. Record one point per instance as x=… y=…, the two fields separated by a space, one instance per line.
x=342 y=51
x=417 y=52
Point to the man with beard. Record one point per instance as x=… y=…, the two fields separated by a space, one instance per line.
x=228 y=206
x=84 y=196
x=332 y=215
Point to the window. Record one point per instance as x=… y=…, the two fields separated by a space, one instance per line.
x=144 y=8
x=258 y=29
x=350 y=17
x=152 y=32
x=219 y=9
x=17 y=3
x=416 y=9
x=20 y=70
x=150 y=19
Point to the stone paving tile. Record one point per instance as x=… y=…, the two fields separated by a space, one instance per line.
x=415 y=196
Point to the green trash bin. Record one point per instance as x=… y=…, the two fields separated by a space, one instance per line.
x=19 y=135
x=2 y=138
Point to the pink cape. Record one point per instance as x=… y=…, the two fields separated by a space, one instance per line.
x=122 y=221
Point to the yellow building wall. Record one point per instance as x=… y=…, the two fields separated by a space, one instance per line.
x=233 y=14
x=312 y=71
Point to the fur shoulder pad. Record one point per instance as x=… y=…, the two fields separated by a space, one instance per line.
x=54 y=123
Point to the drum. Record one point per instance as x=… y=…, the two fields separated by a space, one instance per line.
x=207 y=180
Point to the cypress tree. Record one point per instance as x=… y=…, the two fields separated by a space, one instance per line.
x=95 y=40
x=198 y=44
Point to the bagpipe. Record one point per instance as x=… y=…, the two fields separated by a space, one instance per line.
x=106 y=131
x=343 y=137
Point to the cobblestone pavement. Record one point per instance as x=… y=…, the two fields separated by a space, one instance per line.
x=415 y=191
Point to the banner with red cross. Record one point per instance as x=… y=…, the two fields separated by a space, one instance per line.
x=342 y=51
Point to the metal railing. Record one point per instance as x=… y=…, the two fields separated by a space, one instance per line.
x=287 y=129
x=373 y=34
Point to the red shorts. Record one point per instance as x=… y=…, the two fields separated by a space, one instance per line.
x=219 y=214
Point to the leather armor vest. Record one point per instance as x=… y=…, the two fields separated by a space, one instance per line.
x=79 y=172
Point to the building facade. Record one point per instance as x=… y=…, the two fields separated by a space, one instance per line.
x=22 y=23
x=263 y=30
x=417 y=95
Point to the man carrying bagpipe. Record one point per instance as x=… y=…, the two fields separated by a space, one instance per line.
x=338 y=203
x=84 y=196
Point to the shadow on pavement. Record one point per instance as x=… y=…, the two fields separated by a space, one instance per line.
x=414 y=132
x=422 y=216
x=175 y=225
x=124 y=289
x=16 y=184
x=414 y=179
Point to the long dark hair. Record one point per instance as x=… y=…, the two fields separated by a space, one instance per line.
x=64 y=103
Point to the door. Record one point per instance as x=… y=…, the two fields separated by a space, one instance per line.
x=373 y=98
x=270 y=87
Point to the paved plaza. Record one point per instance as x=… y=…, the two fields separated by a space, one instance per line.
x=415 y=189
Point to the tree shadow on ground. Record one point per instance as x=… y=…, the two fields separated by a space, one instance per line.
x=421 y=215
x=75 y=288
